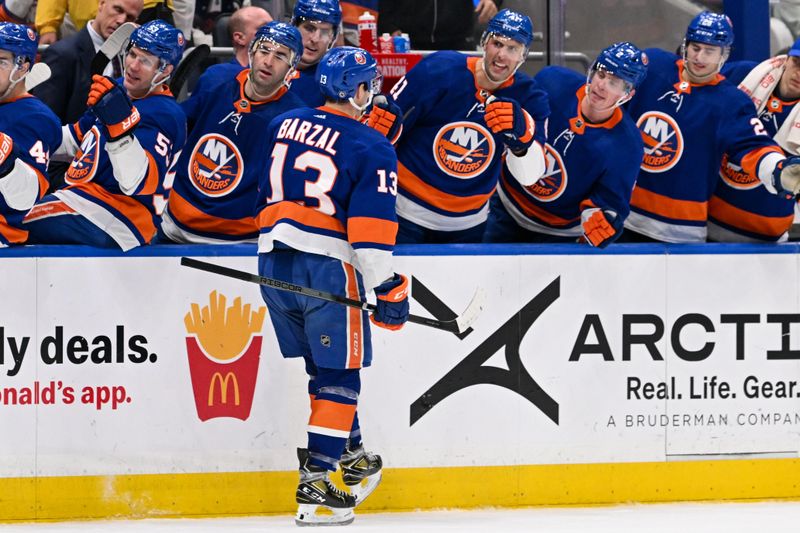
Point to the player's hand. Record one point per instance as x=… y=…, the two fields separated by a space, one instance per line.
x=507 y=117
x=486 y=9
x=110 y=104
x=386 y=117
x=7 y=156
x=601 y=227
x=392 y=303
x=786 y=176
x=48 y=38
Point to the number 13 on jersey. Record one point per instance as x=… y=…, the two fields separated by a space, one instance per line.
x=318 y=188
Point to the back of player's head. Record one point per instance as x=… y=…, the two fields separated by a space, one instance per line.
x=510 y=24
x=342 y=70
x=318 y=11
x=280 y=33
x=625 y=61
x=794 y=51
x=710 y=28
x=20 y=40
x=160 y=39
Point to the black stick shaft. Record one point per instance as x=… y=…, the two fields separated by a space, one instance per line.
x=449 y=325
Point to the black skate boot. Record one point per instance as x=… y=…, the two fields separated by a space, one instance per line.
x=315 y=490
x=361 y=471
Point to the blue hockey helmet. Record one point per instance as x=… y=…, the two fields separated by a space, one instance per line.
x=160 y=39
x=625 y=61
x=511 y=24
x=318 y=11
x=710 y=28
x=343 y=69
x=20 y=40
x=281 y=33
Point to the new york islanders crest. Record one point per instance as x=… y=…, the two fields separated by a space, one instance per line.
x=663 y=141
x=216 y=165
x=463 y=149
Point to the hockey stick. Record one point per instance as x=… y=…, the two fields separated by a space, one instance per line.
x=111 y=47
x=39 y=73
x=188 y=65
x=456 y=325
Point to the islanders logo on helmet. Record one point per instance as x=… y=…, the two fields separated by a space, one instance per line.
x=710 y=28
x=463 y=149
x=318 y=11
x=511 y=24
x=343 y=69
x=553 y=182
x=281 y=33
x=20 y=40
x=216 y=165
x=160 y=39
x=663 y=141
x=625 y=61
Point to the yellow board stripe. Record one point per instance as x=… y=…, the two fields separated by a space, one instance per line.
x=251 y=493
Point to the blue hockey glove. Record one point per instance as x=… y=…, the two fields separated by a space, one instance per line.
x=601 y=227
x=110 y=104
x=386 y=117
x=507 y=117
x=786 y=176
x=7 y=155
x=392 y=303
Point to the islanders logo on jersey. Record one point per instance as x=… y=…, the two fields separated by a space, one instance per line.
x=463 y=149
x=215 y=166
x=663 y=141
x=553 y=182
x=735 y=177
x=84 y=165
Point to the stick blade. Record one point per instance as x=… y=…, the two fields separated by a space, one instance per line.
x=111 y=47
x=39 y=74
x=190 y=63
x=473 y=310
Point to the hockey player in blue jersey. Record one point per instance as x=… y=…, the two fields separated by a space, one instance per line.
x=689 y=117
x=593 y=153
x=29 y=132
x=319 y=22
x=216 y=177
x=742 y=209
x=326 y=213
x=460 y=115
x=121 y=150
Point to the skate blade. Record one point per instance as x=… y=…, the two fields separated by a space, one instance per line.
x=366 y=487
x=307 y=516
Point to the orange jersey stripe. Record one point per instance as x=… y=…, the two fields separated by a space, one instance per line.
x=332 y=415
x=745 y=220
x=534 y=211
x=355 y=341
x=669 y=207
x=10 y=233
x=43 y=183
x=750 y=161
x=368 y=229
x=151 y=179
x=447 y=202
x=188 y=215
x=308 y=216
x=134 y=211
x=47 y=209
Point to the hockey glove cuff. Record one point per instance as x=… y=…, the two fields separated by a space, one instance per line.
x=110 y=104
x=600 y=227
x=7 y=155
x=786 y=176
x=391 y=309
x=386 y=118
x=506 y=117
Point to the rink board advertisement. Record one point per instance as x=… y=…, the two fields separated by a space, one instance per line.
x=126 y=366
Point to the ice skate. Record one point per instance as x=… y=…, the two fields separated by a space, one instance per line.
x=315 y=491
x=361 y=472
